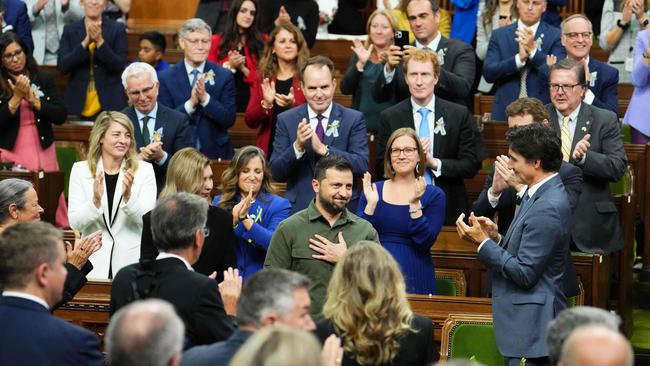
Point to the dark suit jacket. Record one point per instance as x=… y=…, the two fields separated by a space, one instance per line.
x=209 y=124
x=109 y=62
x=175 y=136
x=604 y=85
x=456 y=76
x=595 y=227
x=352 y=144
x=195 y=298
x=500 y=68
x=527 y=274
x=416 y=348
x=15 y=14
x=217 y=354
x=456 y=150
x=52 y=111
x=218 y=251
x=31 y=335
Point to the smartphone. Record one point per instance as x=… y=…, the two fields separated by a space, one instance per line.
x=401 y=38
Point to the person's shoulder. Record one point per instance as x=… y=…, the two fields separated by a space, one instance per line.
x=170 y=114
x=600 y=114
x=458 y=44
x=288 y=114
x=296 y=220
x=275 y=201
x=145 y=165
x=217 y=69
x=398 y=107
x=548 y=30
x=434 y=191
x=451 y=107
x=420 y=322
x=501 y=31
x=219 y=213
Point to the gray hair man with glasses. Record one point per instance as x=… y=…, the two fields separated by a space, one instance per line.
x=601 y=79
x=202 y=90
x=178 y=223
x=591 y=140
x=159 y=130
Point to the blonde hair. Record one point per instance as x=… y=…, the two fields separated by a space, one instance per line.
x=185 y=172
x=367 y=304
x=229 y=186
x=102 y=123
x=279 y=346
x=421 y=55
x=389 y=172
x=389 y=16
x=269 y=61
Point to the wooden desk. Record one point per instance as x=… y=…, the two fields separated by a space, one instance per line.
x=48 y=186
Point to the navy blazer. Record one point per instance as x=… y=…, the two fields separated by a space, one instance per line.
x=352 y=144
x=31 y=335
x=216 y=354
x=15 y=14
x=174 y=128
x=500 y=68
x=208 y=125
x=526 y=269
x=604 y=85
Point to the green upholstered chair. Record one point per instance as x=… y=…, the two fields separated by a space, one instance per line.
x=66 y=156
x=577 y=300
x=470 y=336
x=451 y=282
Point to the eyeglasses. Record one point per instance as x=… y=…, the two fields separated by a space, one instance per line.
x=565 y=88
x=10 y=56
x=195 y=42
x=145 y=91
x=575 y=35
x=408 y=151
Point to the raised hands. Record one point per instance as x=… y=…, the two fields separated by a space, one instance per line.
x=525 y=38
x=332 y=353
x=285 y=100
x=230 y=290
x=363 y=53
x=127 y=183
x=473 y=232
x=303 y=135
x=240 y=210
x=199 y=94
x=21 y=87
x=283 y=17
x=83 y=248
x=153 y=151
x=504 y=177
x=419 y=187
x=93 y=33
x=581 y=148
x=98 y=188
x=371 y=194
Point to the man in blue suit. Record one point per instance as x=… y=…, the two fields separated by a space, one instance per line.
x=516 y=58
x=32 y=269
x=159 y=131
x=602 y=79
x=527 y=264
x=321 y=127
x=13 y=17
x=202 y=90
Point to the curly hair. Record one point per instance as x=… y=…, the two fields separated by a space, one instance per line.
x=269 y=62
x=101 y=125
x=367 y=305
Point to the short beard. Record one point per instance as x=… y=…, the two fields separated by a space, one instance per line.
x=330 y=206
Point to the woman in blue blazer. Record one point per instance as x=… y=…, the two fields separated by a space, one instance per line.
x=249 y=193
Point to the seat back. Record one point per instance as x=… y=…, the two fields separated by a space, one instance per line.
x=451 y=282
x=470 y=336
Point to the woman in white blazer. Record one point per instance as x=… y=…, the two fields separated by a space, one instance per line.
x=110 y=192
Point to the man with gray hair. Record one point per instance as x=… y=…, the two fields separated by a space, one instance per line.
x=159 y=131
x=177 y=226
x=145 y=333
x=596 y=345
x=270 y=297
x=569 y=319
x=202 y=90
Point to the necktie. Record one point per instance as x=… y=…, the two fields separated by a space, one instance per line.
x=195 y=76
x=145 y=130
x=425 y=133
x=523 y=91
x=51 y=31
x=566 y=139
x=320 y=132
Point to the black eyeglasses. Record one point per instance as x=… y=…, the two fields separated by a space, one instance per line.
x=408 y=151
x=10 y=56
x=565 y=88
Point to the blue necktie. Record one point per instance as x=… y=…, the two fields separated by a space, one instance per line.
x=424 y=133
x=195 y=76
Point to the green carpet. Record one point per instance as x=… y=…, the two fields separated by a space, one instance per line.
x=641 y=332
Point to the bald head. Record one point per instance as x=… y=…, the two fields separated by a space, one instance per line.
x=596 y=345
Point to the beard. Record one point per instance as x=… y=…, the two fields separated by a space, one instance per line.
x=330 y=205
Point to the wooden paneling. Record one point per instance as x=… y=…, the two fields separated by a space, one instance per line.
x=48 y=186
x=161 y=10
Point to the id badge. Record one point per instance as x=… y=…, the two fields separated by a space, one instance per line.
x=629 y=64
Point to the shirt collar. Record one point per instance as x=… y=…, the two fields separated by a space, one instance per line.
x=151 y=114
x=433 y=45
x=431 y=105
x=312 y=114
x=189 y=67
x=26 y=296
x=532 y=189
x=533 y=27
x=164 y=255
x=314 y=214
x=573 y=115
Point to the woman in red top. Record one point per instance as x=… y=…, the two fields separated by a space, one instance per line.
x=277 y=87
x=239 y=47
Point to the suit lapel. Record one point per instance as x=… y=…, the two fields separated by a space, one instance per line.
x=553 y=120
x=438 y=139
x=335 y=115
x=160 y=125
x=182 y=80
x=582 y=125
x=136 y=127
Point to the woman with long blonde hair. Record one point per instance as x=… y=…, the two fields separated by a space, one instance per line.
x=248 y=192
x=190 y=171
x=367 y=307
x=110 y=191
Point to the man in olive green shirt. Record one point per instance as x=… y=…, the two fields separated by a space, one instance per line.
x=312 y=240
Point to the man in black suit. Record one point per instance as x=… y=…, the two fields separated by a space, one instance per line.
x=448 y=135
x=270 y=297
x=457 y=60
x=177 y=227
x=591 y=140
x=165 y=130
x=503 y=190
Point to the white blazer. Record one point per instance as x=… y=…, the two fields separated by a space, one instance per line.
x=121 y=228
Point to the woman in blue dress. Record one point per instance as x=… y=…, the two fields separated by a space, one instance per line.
x=249 y=193
x=406 y=212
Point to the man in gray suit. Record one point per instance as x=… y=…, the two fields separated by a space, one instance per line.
x=527 y=264
x=591 y=140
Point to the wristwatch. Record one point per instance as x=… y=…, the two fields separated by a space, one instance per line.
x=620 y=25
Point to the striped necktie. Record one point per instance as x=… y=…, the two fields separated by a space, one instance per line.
x=566 y=139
